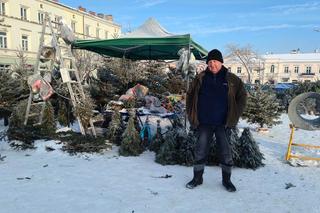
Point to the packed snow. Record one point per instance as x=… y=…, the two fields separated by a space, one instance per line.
x=39 y=181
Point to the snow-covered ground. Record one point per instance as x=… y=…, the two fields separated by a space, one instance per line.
x=38 y=181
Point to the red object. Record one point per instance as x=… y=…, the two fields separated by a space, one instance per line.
x=36 y=88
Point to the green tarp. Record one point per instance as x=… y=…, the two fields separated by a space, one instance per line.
x=143 y=48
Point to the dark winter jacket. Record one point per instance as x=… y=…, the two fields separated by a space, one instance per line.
x=213 y=98
x=237 y=98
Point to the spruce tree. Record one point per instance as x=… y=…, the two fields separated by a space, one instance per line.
x=262 y=108
x=234 y=141
x=13 y=89
x=28 y=133
x=131 y=144
x=115 y=128
x=186 y=149
x=63 y=114
x=250 y=155
x=167 y=154
x=48 y=126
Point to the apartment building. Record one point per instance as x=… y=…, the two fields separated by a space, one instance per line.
x=280 y=68
x=21 y=25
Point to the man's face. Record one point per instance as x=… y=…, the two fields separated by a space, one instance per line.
x=214 y=66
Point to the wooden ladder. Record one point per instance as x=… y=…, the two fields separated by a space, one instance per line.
x=67 y=70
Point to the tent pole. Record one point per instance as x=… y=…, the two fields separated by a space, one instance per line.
x=185 y=114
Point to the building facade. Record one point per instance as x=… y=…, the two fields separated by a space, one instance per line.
x=21 y=25
x=280 y=68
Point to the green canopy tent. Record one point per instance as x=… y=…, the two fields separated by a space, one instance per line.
x=144 y=48
x=149 y=42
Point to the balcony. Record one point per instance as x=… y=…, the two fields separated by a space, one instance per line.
x=306 y=74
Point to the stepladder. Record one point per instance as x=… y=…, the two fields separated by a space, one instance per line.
x=52 y=58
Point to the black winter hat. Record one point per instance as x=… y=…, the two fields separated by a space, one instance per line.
x=214 y=55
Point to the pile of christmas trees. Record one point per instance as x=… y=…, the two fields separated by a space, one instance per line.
x=177 y=145
x=178 y=148
x=27 y=134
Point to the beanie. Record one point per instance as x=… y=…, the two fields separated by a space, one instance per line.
x=214 y=55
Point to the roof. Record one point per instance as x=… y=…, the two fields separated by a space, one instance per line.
x=143 y=48
x=150 y=41
x=293 y=57
x=79 y=11
x=150 y=28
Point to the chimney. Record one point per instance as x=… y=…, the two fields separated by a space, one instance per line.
x=108 y=17
x=92 y=13
x=100 y=15
x=82 y=9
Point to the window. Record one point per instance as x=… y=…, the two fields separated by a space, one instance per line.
x=24 y=43
x=73 y=26
x=4 y=67
x=56 y=20
x=272 y=69
x=296 y=69
x=97 y=32
x=87 y=30
x=238 y=69
x=40 y=17
x=3 y=40
x=23 y=12
x=106 y=34
x=308 y=71
x=229 y=69
x=286 y=69
x=2 y=8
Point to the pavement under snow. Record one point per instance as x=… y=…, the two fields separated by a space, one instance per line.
x=38 y=181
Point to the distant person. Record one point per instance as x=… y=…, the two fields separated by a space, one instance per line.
x=215 y=101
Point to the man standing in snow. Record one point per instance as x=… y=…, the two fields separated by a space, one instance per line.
x=215 y=101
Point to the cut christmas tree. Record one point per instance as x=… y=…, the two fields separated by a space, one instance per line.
x=262 y=108
x=249 y=152
x=115 y=128
x=131 y=144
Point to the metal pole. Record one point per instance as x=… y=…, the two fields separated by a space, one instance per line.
x=189 y=52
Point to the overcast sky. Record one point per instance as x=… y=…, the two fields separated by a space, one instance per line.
x=267 y=25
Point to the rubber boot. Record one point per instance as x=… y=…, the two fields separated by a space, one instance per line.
x=197 y=179
x=226 y=182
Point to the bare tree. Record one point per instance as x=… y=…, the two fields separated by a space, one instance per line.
x=86 y=62
x=246 y=56
x=115 y=35
x=21 y=68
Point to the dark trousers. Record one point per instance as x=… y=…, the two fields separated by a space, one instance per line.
x=203 y=146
